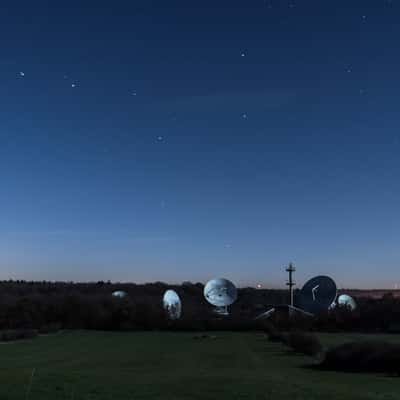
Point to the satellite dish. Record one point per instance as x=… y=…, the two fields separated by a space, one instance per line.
x=221 y=293
x=344 y=300
x=318 y=294
x=172 y=304
x=119 y=293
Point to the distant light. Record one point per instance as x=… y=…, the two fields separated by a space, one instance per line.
x=160 y=138
x=22 y=73
x=258 y=286
x=134 y=93
x=243 y=54
x=244 y=116
x=73 y=85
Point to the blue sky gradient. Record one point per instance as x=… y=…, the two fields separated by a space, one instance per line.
x=152 y=140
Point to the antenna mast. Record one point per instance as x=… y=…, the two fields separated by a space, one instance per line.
x=290 y=270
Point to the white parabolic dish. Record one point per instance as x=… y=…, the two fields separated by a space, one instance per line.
x=220 y=292
x=344 y=300
x=172 y=304
x=119 y=293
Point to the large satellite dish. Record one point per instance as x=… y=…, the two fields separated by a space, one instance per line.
x=344 y=300
x=119 y=293
x=221 y=293
x=172 y=304
x=318 y=294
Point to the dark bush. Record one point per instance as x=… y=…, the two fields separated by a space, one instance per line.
x=27 y=333
x=275 y=336
x=17 y=334
x=367 y=356
x=278 y=337
x=273 y=333
x=52 y=327
x=305 y=343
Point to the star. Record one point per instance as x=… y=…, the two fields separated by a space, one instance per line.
x=22 y=73
x=243 y=54
x=73 y=85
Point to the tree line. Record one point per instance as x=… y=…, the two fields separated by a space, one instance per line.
x=48 y=306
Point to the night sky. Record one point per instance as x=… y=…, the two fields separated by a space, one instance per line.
x=181 y=140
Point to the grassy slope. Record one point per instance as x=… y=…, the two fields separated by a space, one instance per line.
x=113 y=366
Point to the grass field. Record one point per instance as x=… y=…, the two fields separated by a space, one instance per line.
x=164 y=365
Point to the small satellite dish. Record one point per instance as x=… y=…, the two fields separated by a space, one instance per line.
x=221 y=293
x=318 y=294
x=172 y=304
x=119 y=293
x=344 y=300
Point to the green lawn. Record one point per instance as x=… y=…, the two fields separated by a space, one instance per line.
x=163 y=365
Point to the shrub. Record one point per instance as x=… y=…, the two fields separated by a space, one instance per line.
x=26 y=333
x=52 y=327
x=367 y=356
x=8 y=335
x=17 y=334
x=305 y=343
x=276 y=336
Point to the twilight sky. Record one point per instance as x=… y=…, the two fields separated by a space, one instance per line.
x=180 y=140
